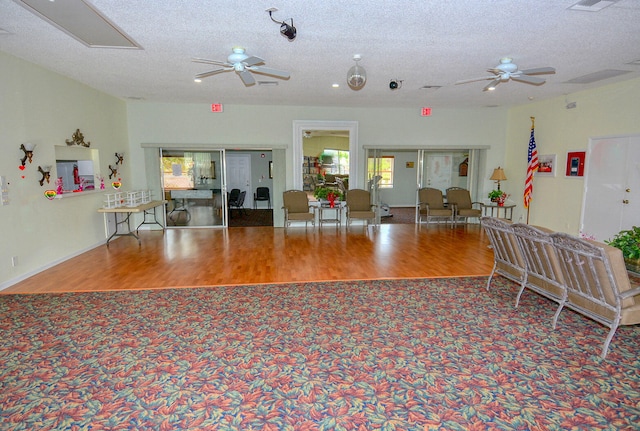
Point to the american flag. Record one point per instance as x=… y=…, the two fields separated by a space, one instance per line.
x=532 y=166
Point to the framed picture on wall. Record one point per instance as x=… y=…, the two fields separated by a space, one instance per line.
x=547 y=165
x=575 y=164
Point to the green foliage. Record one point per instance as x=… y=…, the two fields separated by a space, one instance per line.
x=323 y=192
x=495 y=194
x=628 y=241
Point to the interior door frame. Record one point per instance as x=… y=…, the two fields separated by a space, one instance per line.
x=223 y=182
x=238 y=154
x=616 y=192
x=299 y=126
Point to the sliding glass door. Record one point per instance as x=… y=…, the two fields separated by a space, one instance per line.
x=193 y=183
x=442 y=169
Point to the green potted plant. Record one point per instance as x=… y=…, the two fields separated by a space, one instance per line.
x=494 y=195
x=322 y=193
x=629 y=242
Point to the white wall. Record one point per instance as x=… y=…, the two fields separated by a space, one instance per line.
x=264 y=126
x=611 y=110
x=44 y=108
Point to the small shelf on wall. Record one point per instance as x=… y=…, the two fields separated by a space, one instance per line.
x=82 y=193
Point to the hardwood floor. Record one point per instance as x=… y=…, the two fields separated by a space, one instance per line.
x=209 y=257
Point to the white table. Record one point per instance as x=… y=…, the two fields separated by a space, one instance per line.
x=324 y=212
x=144 y=208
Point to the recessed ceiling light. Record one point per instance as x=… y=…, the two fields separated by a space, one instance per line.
x=198 y=80
x=335 y=85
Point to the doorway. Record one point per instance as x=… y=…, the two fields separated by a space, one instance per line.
x=249 y=174
x=193 y=183
x=612 y=187
x=402 y=172
x=347 y=128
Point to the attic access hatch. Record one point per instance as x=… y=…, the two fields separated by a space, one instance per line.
x=592 y=5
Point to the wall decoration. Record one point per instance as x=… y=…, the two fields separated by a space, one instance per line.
x=50 y=194
x=575 y=163
x=27 y=149
x=78 y=139
x=46 y=174
x=409 y=165
x=547 y=165
x=114 y=171
x=270 y=169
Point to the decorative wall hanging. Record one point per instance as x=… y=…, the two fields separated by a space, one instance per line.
x=114 y=171
x=546 y=166
x=28 y=154
x=50 y=194
x=46 y=173
x=78 y=139
x=119 y=158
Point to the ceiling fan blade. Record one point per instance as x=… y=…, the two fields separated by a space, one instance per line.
x=528 y=79
x=253 y=60
x=268 y=71
x=538 y=71
x=247 y=77
x=206 y=61
x=210 y=73
x=464 y=81
x=493 y=84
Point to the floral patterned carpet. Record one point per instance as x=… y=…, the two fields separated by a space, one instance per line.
x=440 y=354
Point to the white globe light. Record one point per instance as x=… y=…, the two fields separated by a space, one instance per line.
x=357 y=76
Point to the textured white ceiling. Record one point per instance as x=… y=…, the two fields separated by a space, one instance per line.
x=422 y=43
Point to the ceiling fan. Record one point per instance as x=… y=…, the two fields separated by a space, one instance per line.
x=507 y=70
x=243 y=65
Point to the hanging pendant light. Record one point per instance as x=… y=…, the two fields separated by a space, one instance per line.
x=357 y=76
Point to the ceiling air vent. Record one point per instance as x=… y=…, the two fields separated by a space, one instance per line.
x=592 y=5
x=82 y=21
x=597 y=76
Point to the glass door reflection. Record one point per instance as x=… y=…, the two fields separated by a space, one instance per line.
x=193 y=185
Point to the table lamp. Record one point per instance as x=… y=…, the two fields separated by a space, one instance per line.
x=498 y=175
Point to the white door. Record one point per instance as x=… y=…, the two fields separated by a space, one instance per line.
x=239 y=175
x=612 y=187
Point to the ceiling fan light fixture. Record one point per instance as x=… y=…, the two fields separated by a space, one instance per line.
x=356 y=76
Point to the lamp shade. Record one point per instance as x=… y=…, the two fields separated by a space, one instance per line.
x=498 y=174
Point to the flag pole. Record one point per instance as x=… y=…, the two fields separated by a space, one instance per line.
x=533 y=123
